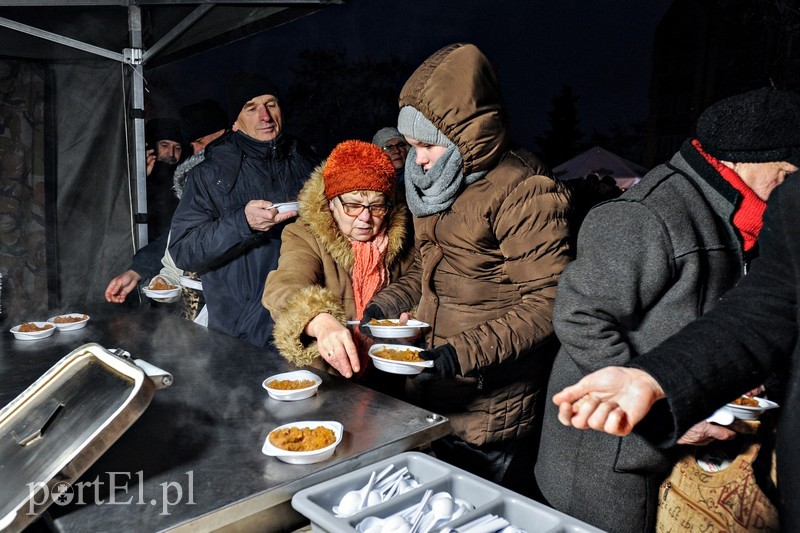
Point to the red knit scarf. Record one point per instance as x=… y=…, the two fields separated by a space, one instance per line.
x=748 y=217
x=370 y=274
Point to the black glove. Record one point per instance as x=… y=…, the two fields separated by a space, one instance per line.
x=445 y=362
x=372 y=311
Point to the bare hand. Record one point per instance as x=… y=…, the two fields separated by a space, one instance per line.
x=404 y=318
x=261 y=217
x=612 y=399
x=758 y=391
x=705 y=432
x=119 y=287
x=150 y=160
x=335 y=344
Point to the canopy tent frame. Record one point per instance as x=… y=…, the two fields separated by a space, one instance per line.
x=135 y=56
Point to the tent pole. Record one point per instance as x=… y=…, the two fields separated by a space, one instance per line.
x=136 y=74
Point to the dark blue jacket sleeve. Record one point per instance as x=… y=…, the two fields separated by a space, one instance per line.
x=147 y=260
x=203 y=237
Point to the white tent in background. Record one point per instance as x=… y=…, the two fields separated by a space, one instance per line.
x=599 y=161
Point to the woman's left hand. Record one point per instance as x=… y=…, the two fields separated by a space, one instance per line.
x=335 y=344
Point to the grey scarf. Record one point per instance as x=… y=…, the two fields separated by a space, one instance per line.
x=434 y=191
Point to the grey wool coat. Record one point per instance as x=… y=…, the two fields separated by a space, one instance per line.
x=648 y=263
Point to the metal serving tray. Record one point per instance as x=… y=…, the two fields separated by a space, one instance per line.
x=315 y=503
x=59 y=426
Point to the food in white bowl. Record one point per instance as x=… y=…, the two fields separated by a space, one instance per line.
x=750 y=412
x=391 y=328
x=285 y=207
x=292 y=386
x=389 y=358
x=161 y=290
x=29 y=331
x=293 y=431
x=69 y=321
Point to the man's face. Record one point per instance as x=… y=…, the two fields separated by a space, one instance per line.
x=397 y=150
x=168 y=151
x=260 y=118
x=199 y=144
x=427 y=154
x=763 y=177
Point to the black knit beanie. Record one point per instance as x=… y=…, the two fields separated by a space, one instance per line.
x=244 y=87
x=201 y=119
x=759 y=126
x=160 y=129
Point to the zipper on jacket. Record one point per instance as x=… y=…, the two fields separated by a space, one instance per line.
x=480 y=381
x=704 y=512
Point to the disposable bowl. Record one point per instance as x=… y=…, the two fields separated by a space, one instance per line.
x=399 y=331
x=294 y=394
x=305 y=458
x=69 y=326
x=158 y=294
x=286 y=206
x=34 y=335
x=743 y=412
x=406 y=368
x=190 y=283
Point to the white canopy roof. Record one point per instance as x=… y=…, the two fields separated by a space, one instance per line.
x=600 y=161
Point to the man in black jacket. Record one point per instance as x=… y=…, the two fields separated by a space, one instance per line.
x=225 y=227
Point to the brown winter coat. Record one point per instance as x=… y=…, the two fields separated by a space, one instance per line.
x=313 y=274
x=486 y=270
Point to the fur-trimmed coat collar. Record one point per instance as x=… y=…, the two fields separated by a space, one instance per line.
x=315 y=269
x=315 y=214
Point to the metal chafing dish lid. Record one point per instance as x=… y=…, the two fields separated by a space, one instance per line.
x=59 y=426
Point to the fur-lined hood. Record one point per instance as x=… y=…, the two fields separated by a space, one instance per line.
x=315 y=214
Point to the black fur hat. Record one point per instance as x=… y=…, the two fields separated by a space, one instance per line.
x=755 y=127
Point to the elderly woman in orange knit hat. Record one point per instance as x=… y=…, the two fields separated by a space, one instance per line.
x=350 y=241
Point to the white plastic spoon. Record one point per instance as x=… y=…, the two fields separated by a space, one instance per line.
x=353 y=500
x=442 y=508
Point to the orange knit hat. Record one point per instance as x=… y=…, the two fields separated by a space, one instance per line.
x=358 y=166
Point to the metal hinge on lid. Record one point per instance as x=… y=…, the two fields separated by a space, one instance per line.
x=160 y=378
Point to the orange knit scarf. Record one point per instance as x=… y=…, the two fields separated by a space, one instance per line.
x=370 y=274
x=748 y=217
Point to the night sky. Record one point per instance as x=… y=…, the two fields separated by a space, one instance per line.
x=602 y=49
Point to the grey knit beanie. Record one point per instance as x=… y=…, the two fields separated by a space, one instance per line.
x=412 y=123
x=384 y=135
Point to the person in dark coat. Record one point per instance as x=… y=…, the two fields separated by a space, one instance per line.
x=750 y=333
x=225 y=227
x=164 y=151
x=201 y=122
x=648 y=263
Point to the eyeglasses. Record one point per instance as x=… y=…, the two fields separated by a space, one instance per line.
x=354 y=210
x=397 y=146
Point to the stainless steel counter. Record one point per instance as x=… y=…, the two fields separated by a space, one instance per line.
x=193 y=460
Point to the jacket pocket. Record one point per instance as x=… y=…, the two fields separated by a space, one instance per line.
x=637 y=455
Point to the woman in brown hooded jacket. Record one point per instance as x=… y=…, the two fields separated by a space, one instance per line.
x=492 y=238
